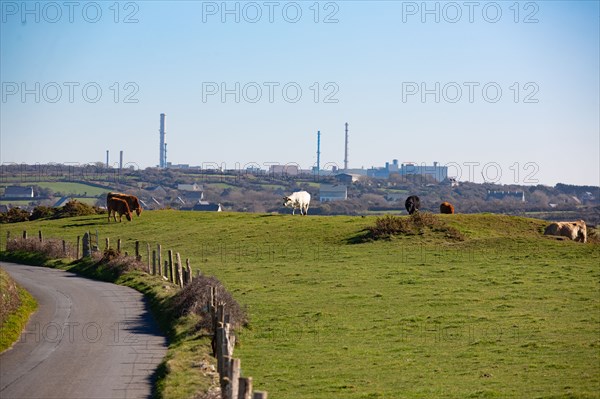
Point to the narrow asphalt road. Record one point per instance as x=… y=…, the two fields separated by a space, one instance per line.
x=88 y=339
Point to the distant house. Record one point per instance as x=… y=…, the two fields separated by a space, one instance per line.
x=347 y=178
x=333 y=192
x=15 y=192
x=4 y=208
x=500 y=195
x=189 y=187
x=61 y=202
x=193 y=196
x=205 y=206
x=157 y=191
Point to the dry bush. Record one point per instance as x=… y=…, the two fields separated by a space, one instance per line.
x=50 y=248
x=194 y=298
x=117 y=263
x=417 y=223
x=593 y=234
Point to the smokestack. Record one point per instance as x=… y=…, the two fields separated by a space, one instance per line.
x=318 y=151
x=346 y=150
x=107 y=159
x=163 y=145
x=121 y=160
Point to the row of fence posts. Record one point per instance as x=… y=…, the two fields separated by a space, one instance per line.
x=233 y=385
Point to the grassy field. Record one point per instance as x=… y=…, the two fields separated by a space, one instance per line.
x=16 y=305
x=68 y=188
x=507 y=313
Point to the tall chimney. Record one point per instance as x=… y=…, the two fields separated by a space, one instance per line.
x=121 y=160
x=318 y=151
x=107 y=159
x=163 y=145
x=346 y=150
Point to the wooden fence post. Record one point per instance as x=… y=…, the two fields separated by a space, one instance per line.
x=148 y=257
x=259 y=395
x=154 y=261
x=87 y=248
x=64 y=248
x=24 y=234
x=234 y=378
x=179 y=271
x=171 y=274
x=41 y=237
x=119 y=245
x=159 y=260
x=189 y=271
x=219 y=347
x=78 y=246
x=137 y=251
x=107 y=243
x=245 y=390
x=166 y=268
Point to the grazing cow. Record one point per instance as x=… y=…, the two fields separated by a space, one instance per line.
x=132 y=201
x=447 y=208
x=299 y=199
x=117 y=205
x=576 y=231
x=412 y=204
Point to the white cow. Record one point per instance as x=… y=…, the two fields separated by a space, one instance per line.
x=299 y=199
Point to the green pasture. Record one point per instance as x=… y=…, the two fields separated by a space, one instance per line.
x=506 y=313
x=68 y=188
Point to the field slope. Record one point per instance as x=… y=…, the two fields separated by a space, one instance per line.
x=506 y=313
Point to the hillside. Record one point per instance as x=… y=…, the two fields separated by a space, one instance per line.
x=505 y=313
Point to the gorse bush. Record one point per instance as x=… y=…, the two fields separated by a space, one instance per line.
x=70 y=209
x=418 y=223
x=14 y=215
x=76 y=208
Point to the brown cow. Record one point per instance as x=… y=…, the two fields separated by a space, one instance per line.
x=446 y=207
x=120 y=206
x=132 y=201
x=576 y=231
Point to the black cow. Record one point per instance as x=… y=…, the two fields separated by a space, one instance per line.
x=412 y=204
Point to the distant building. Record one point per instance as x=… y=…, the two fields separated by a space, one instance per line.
x=4 y=208
x=193 y=196
x=207 y=207
x=289 y=170
x=500 y=195
x=157 y=191
x=61 y=202
x=189 y=187
x=15 y=192
x=331 y=192
x=439 y=173
x=347 y=178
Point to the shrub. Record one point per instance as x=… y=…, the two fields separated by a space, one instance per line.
x=42 y=212
x=194 y=298
x=49 y=249
x=75 y=208
x=417 y=223
x=117 y=263
x=14 y=215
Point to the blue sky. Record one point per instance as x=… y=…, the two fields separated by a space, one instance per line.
x=511 y=88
